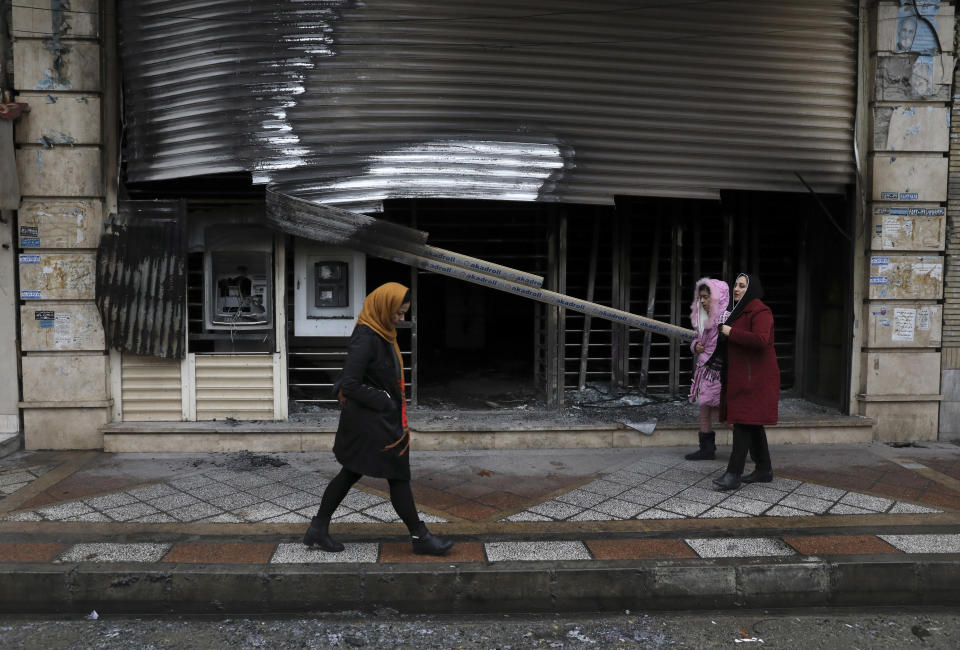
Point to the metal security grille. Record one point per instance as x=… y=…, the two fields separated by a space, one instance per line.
x=531 y=100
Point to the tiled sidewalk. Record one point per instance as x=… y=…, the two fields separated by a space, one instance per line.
x=660 y=486
x=489 y=552
x=663 y=487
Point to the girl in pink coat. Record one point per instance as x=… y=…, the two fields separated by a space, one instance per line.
x=707 y=313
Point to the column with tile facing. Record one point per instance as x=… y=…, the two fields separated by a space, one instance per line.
x=908 y=165
x=57 y=53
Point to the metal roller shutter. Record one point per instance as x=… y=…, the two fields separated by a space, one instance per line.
x=535 y=100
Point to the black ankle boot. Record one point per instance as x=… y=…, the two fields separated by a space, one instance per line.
x=708 y=447
x=319 y=535
x=756 y=476
x=426 y=544
x=729 y=481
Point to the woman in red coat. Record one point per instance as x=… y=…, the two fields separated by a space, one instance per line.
x=752 y=387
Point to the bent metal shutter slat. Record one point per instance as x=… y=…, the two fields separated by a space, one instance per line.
x=141 y=279
x=531 y=100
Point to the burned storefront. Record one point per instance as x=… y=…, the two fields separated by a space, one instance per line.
x=615 y=153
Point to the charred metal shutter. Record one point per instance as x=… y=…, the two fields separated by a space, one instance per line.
x=531 y=100
x=237 y=386
x=151 y=389
x=141 y=279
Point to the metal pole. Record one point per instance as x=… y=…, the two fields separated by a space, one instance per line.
x=477 y=277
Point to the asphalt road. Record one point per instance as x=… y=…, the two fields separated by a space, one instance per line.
x=799 y=630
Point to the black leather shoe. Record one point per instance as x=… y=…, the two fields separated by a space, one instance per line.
x=757 y=477
x=425 y=543
x=728 y=481
x=318 y=535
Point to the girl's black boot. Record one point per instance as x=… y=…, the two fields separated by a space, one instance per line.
x=708 y=447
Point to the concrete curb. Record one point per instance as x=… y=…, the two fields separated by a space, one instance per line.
x=114 y=589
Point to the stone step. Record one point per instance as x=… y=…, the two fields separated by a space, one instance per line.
x=9 y=443
x=450 y=433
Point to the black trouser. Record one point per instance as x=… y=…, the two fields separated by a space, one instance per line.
x=750 y=438
x=401 y=496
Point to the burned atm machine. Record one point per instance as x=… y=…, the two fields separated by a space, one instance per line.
x=330 y=284
x=238 y=279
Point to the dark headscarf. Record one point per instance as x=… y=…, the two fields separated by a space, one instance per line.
x=717 y=363
x=754 y=291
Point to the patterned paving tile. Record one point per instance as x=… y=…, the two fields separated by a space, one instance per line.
x=582 y=498
x=23 y=516
x=109 y=552
x=784 y=511
x=639 y=549
x=223 y=518
x=195 y=512
x=65 y=510
x=92 y=517
x=739 y=547
x=288 y=518
x=259 y=512
x=654 y=513
x=924 y=543
x=839 y=545
x=221 y=553
x=806 y=503
x=606 y=488
x=10 y=488
x=643 y=496
x=148 y=492
x=901 y=508
x=745 y=505
x=589 y=515
x=212 y=491
x=526 y=515
x=29 y=552
x=109 y=501
x=173 y=501
x=701 y=495
x=876 y=504
x=299 y=554
x=722 y=513
x=296 y=500
x=556 y=510
x=355 y=518
x=358 y=500
x=684 y=507
x=19 y=477
x=402 y=552
x=820 y=491
x=270 y=491
x=383 y=512
x=761 y=492
x=844 y=509
x=530 y=551
x=132 y=511
x=234 y=501
x=619 y=508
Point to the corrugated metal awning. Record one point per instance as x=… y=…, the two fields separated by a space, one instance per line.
x=537 y=100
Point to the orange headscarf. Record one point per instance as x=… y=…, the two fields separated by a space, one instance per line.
x=379 y=308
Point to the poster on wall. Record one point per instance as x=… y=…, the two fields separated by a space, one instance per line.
x=916 y=29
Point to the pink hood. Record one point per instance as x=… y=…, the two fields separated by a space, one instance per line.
x=719 y=301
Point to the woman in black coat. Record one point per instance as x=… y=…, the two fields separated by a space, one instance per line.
x=372 y=436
